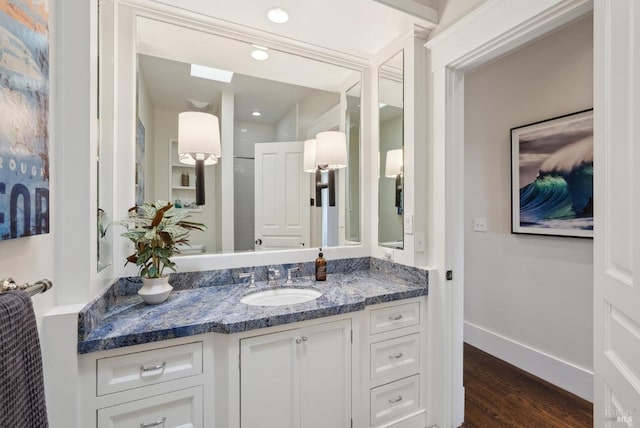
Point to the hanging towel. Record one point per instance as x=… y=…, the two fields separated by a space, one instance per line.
x=22 y=403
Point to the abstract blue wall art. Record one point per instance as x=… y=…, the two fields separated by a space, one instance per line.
x=24 y=118
x=552 y=176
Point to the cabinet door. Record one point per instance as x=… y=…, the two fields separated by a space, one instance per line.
x=269 y=381
x=179 y=409
x=325 y=375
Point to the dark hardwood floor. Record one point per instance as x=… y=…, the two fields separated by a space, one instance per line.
x=501 y=395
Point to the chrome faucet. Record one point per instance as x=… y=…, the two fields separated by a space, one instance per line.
x=251 y=276
x=289 y=278
x=273 y=274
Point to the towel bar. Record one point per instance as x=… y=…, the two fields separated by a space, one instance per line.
x=8 y=284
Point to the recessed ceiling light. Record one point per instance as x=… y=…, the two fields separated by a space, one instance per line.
x=256 y=113
x=277 y=15
x=259 y=54
x=211 y=73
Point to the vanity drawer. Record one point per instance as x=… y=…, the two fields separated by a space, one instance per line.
x=395 y=399
x=396 y=357
x=394 y=317
x=175 y=409
x=129 y=371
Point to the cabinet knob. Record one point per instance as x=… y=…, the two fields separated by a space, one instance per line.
x=154 y=423
x=301 y=339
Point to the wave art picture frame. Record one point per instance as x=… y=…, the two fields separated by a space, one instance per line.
x=552 y=176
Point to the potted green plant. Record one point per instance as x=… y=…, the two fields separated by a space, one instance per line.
x=156 y=231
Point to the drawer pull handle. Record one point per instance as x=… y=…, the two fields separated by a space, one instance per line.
x=395 y=400
x=395 y=357
x=144 y=369
x=153 y=424
x=395 y=317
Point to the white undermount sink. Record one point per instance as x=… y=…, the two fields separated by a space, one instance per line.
x=281 y=296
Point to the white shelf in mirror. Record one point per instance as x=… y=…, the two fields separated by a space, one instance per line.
x=178 y=192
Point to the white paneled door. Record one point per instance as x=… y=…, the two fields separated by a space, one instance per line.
x=617 y=213
x=282 y=196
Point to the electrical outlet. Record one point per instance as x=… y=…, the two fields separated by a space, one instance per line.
x=479 y=224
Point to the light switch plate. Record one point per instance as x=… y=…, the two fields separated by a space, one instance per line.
x=408 y=224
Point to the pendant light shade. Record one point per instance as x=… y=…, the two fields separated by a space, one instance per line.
x=331 y=150
x=309 y=158
x=198 y=138
x=393 y=165
x=394 y=169
x=199 y=144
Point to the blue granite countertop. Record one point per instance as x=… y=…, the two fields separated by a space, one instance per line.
x=114 y=321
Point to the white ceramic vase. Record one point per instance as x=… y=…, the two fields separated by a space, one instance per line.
x=155 y=290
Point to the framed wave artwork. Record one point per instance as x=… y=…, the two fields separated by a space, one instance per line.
x=552 y=176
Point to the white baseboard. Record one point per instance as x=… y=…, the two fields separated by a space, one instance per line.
x=563 y=374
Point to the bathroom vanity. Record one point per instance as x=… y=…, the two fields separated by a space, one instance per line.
x=355 y=356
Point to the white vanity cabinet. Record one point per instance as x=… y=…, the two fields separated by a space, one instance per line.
x=162 y=384
x=298 y=378
x=395 y=346
x=364 y=369
x=181 y=409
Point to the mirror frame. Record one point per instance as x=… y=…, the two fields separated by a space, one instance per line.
x=416 y=149
x=125 y=133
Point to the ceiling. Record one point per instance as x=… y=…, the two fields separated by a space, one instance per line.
x=356 y=27
x=359 y=28
x=273 y=86
x=170 y=87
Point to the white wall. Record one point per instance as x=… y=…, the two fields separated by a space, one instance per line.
x=528 y=299
x=312 y=108
x=287 y=126
x=246 y=135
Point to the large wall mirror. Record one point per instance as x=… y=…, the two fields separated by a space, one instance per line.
x=104 y=150
x=390 y=172
x=269 y=102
